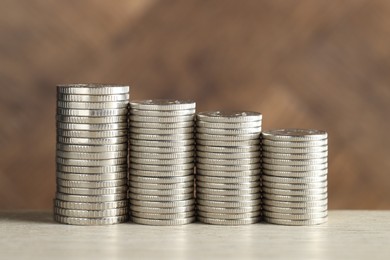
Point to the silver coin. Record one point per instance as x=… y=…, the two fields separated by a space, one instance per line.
x=205 y=124
x=91 y=120
x=164 y=180
x=92 y=192
x=303 y=180
x=185 y=196
x=163 y=222
x=229 y=180
x=317 y=173
x=91 y=156
x=295 y=144
x=238 y=210
x=201 y=190
x=219 y=149
x=302 y=192
x=92 y=89
x=294 y=162
x=162 y=186
x=162 y=156
x=92 y=134
x=93 y=98
x=157 y=119
x=236 y=134
x=229 y=204
x=92 y=148
x=305 y=156
x=182 y=112
x=163 y=204
x=226 y=156
x=163 y=131
x=91 y=177
x=92 y=105
x=159 y=125
x=92 y=112
x=227 y=174
x=295 y=198
x=92 y=184
x=90 y=221
x=89 y=198
x=290 y=222
x=295 y=135
x=228 y=143
x=226 y=216
x=146 y=215
x=161 y=168
x=92 y=170
x=91 y=213
x=92 y=141
x=161 y=174
x=295 y=186
x=227 y=162
x=174 y=210
x=295 y=168
x=162 y=104
x=229 y=117
x=162 y=150
x=106 y=162
x=228 y=186
x=295 y=150
x=92 y=127
x=295 y=204
x=228 y=168
x=295 y=216
x=251 y=196
x=154 y=137
x=307 y=210
x=169 y=192
x=189 y=142
x=229 y=222
x=90 y=206
x=162 y=161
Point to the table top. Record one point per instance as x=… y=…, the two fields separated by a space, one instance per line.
x=348 y=234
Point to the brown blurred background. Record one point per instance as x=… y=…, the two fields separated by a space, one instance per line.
x=309 y=64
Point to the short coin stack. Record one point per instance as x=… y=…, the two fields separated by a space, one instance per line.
x=228 y=165
x=91 y=154
x=161 y=175
x=295 y=163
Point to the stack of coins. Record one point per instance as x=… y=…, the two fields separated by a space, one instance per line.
x=91 y=154
x=228 y=165
x=161 y=175
x=295 y=176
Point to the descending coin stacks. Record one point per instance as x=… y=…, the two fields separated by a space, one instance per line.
x=228 y=188
x=161 y=175
x=295 y=176
x=91 y=154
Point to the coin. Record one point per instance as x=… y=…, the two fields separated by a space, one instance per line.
x=93 y=98
x=303 y=192
x=89 y=198
x=238 y=210
x=91 y=120
x=304 y=210
x=162 y=168
x=91 y=177
x=159 y=192
x=163 y=222
x=228 y=143
x=294 y=162
x=229 y=117
x=189 y=142
x=226 y=216
x=163 y=204
x=229 y=168
x=159 y=137
x=92 y=134
x=226 y=156
x=161 y=186
x=286 y=156
x=160 y=216
x=205 y=124
x=229 y=222
x=220 y=149
x=295 y=198
x=92 y=148
x=229 y=204
x=106 y=162
x=295 y=150
x=295 y=216
x=228 y=197
x=295 y=144
x=296 y=135
x=92 y=112
x=166 y=113
x=185 y=196
x=226 y=134
x=162 y=180
x=242 y=179
x=173 y=210
x=91 y=213
x=228 y=186
x=317 y=173
x=92 y=89
x=92 y=127
x=295 y=186
x=162 y=156
x=92 y=184
x=163 y=150
x=92 y=105
x=302 y=180
x=163 y=131
x=162 y=104
x=290 y=222
x=296 y=204
x=92 y=141
x=91 y=191
x=225 y=192
x=295 y=168
x=91 y=156
x=90 y=221
x=157 y=119
x=92 y=170
x=90 y=206
x=227 y=162
x=162 y=161
x=160 y=125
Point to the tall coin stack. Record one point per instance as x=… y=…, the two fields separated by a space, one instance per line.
x=295 y=167
x=228 y=165
x=161 y=175
x=91 y=154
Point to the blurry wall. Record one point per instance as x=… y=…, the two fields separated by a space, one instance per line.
x=311 y=64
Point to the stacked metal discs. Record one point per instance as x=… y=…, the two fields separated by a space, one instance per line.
x=91 y=154
x=295 y=163
x=228 y=165
x=161 y=175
